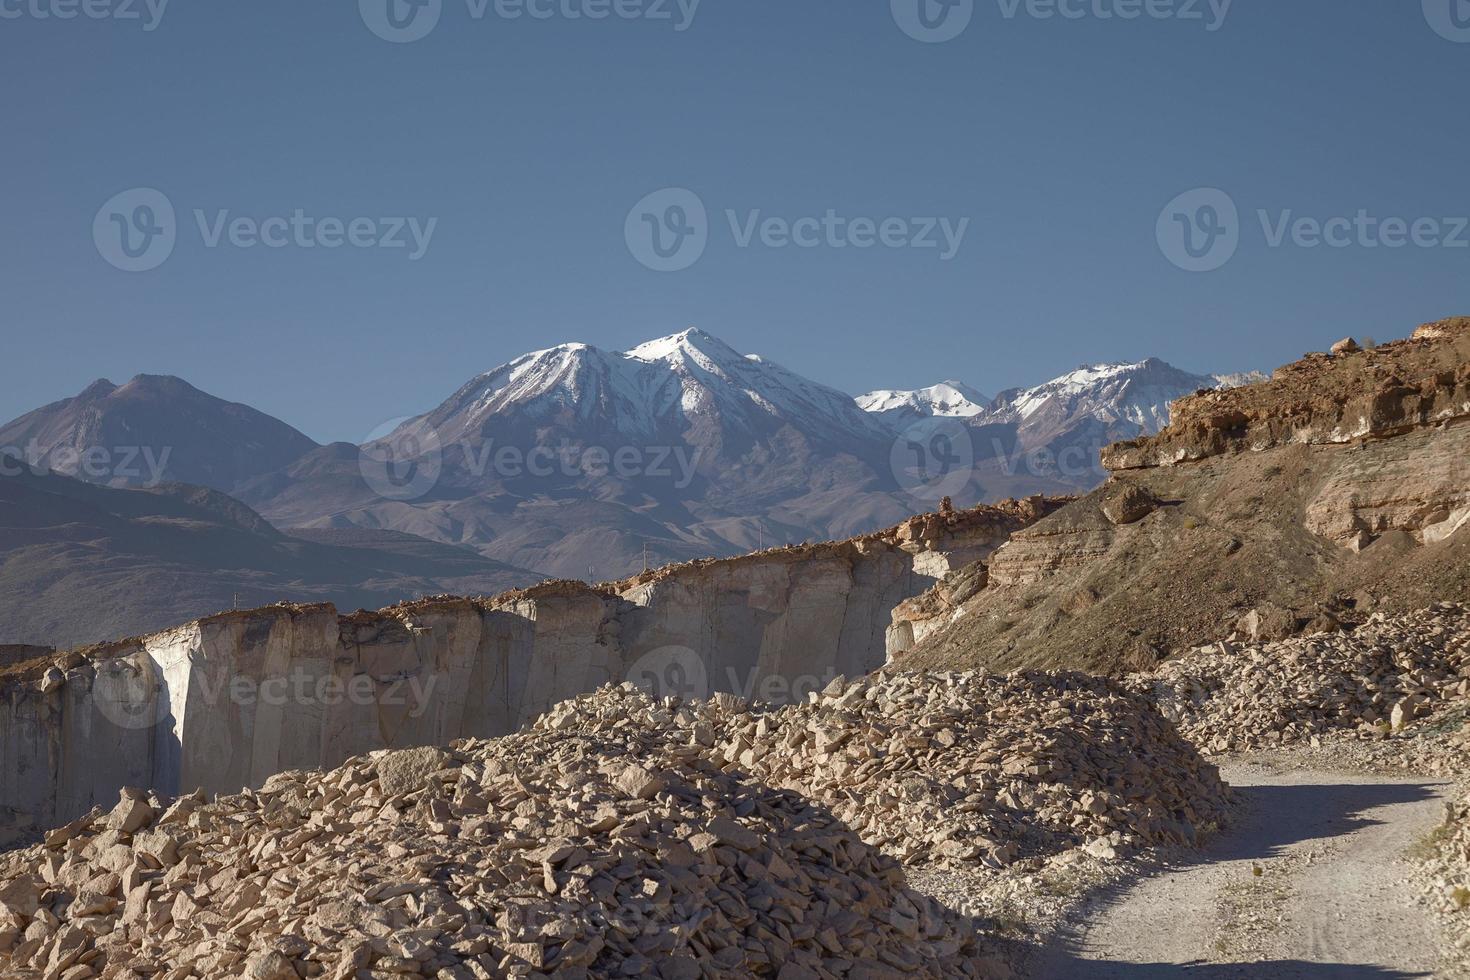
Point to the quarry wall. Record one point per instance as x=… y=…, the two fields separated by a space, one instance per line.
x=228 y=701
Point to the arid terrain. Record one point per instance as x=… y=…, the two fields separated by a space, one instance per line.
x=1338 y=488
x=1211 y=719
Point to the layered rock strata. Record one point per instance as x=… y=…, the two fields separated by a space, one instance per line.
x=228 y=701
x=1323 y=399
x=1339 y=488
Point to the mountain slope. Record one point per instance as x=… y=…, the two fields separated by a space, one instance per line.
x=575 y=457
x=1136 y=395
x=684 y=387
x=581 y=462
x=1339 y=488
x=1047 y=438
x=81 y=563
x=948 y=399
x=153 y=429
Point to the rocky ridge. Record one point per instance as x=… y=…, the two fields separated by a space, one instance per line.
x=1338 y=489
x=1342 y=396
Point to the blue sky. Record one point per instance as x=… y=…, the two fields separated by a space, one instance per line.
x=527 y=142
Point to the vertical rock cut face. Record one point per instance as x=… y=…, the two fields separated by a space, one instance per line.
x=226 y=702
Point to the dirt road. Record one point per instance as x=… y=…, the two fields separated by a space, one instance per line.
x=1309 y=884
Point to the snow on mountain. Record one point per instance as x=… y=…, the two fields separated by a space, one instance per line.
x=1139 y=394
x=948 y=399
x=660 y=389
x=1121 y=396
x=1240 y=379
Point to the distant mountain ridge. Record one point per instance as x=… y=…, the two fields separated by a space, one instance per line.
x=1138 y=392
x=1048 y=438
x=580 y=462
x=82 y=563
x=656 y=389
x=948 y=399
x=152 y=430
x=577 y=461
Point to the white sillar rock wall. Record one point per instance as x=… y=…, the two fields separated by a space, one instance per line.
x=226 y=702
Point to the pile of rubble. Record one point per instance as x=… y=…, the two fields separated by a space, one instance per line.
x=620 y=837
x=1375 y=680
x=959 y=768
x=543 y=854
x=1447 y=874
x=1449 y=879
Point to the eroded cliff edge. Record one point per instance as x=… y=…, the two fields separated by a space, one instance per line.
x=1338 y=488
x=228 y=701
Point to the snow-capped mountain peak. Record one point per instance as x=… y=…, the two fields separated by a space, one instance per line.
x=948 y=399
x=657 y=390
x=1137 y=394
x=692 y=344
x=1128 y=398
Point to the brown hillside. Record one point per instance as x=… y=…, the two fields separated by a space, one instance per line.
x=1339 y=488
